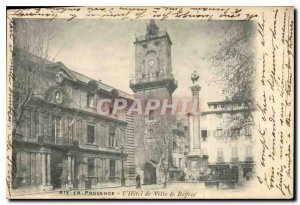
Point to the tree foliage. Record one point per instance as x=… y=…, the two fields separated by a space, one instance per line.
x=154 y=140
x=234 y=62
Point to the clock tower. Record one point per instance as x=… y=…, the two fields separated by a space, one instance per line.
x=153 y=79
x=153 y=66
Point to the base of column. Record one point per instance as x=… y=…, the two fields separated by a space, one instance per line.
x=46 y=187
x=197 y=152
x=197 y=166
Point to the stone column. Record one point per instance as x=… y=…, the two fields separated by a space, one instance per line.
x=196 y=117
x=32 y=123
x=50 y=134
x=190 y=120
x=43 y=169
x=73 y=168
x=69 y=169
x=48 y=170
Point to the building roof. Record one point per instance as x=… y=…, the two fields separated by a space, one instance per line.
x=226 y=102
x=73 y=75
x=84 y=79
x=228 y=106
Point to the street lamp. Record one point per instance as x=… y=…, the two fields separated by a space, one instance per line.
x=122 y=160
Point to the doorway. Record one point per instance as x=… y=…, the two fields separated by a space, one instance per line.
x=56 y=164
x=149 y=174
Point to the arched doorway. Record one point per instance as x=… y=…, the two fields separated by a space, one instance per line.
x=149 y=174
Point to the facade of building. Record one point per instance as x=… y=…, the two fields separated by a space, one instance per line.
x=180 y=149
x=62 y=141
x=227 y=140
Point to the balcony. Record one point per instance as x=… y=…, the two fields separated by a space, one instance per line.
x=46 y=139
x=21 y=138
x=147 y=80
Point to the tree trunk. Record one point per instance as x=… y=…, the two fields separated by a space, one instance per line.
x=165 y=180
x=157 y=175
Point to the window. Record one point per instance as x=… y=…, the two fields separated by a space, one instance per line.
x=204 y=135
x=215 y=106
x=112 y=168
x=234 y=152
x=90 y=100
x=220 y=155
x=112 y=137
x=91 y=167
x=91 y=134
x=174 y=162
x=57 y=126
x=180 y=163
x=219 y=133
x=234 y=155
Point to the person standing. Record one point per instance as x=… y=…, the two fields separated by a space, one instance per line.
x=138 y=181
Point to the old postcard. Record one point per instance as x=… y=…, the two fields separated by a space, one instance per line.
x=150 y=103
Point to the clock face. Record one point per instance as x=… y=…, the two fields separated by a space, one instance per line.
x=151 y=63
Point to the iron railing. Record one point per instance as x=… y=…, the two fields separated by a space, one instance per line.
x=47 y=139
x=146 y=78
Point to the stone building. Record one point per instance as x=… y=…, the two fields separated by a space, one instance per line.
x=227 y=140
x=180 y=149
x=62 y=142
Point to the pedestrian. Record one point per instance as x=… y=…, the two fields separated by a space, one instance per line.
x=138 y=181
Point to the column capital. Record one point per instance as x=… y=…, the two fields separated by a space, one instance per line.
x=45 y=150
x=195 y=89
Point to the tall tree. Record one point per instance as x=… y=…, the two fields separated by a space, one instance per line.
x=234 y=62
x=154 y=140
x=32 y=40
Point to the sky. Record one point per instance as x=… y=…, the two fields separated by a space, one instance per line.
x=103 y=49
